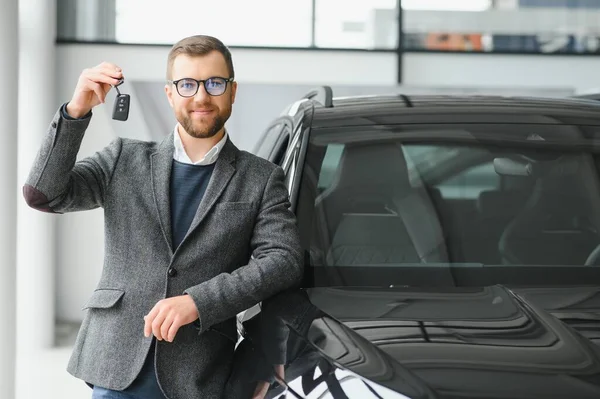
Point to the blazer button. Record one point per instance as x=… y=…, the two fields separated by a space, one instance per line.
x=172 y=272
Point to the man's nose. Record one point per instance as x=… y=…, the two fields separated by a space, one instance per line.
x=201 y=94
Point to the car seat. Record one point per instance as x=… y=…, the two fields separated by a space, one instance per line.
x=372 y=213
x=559 y=223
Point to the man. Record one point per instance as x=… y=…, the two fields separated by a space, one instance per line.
x=196 y=231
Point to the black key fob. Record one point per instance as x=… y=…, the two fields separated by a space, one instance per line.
x=121 y=109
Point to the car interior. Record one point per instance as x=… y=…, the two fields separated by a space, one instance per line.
x=545 y=210
x=378 y=217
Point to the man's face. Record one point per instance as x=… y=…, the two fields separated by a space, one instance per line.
x=203 y=115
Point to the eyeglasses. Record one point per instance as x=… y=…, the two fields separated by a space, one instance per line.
x=188 y=87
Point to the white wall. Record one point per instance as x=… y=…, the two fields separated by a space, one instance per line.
x=80 y=236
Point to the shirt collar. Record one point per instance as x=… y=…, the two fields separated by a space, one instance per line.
x=211 y=156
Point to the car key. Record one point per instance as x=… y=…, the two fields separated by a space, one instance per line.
x=121 y=108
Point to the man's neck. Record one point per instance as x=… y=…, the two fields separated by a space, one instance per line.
x=196 y=148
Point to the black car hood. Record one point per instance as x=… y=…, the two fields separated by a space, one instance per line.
x=490 y=342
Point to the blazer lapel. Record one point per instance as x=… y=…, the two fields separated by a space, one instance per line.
x=224 y=170
x=162 y=163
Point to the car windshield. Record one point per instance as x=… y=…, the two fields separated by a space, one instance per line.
x=451 y=205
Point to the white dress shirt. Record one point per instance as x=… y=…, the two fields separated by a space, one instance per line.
x=211 y=156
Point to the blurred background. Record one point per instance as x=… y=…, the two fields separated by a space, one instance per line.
x=281 y=49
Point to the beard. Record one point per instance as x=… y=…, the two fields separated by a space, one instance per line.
x=209 y=128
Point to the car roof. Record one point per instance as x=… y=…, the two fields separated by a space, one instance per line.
x=407 y=109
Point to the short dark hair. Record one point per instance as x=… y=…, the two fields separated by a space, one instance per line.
x=196 y=46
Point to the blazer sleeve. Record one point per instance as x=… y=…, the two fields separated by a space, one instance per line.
x=275 y=265
x=56 y=182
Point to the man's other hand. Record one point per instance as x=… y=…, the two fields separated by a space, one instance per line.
x=168 y=315
x=263 y=387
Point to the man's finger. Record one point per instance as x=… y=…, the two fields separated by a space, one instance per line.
x=108 y=66
x=157 y=324
x=97 y=89
x=173 y=329
x=103 y=78
x=166 y=325
x=147 y=325
x=149 y=318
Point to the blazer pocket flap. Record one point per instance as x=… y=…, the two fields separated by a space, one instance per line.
x=234 y=205
x=104 y=298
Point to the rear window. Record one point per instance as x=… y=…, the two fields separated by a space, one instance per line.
x=452 y=205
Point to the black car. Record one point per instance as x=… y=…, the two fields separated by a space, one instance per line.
x=452 y=247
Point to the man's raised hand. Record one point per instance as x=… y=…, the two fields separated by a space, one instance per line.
x=92 y=86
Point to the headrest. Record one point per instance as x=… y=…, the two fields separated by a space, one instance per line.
x=373 y=168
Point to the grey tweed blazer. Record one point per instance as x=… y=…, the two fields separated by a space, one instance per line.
x=242 y=247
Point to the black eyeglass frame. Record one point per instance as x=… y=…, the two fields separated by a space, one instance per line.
x=203 y=83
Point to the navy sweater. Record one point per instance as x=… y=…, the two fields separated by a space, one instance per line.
x=188 y=185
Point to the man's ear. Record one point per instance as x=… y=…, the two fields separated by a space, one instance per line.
x=233 y=91
x=169 y=93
